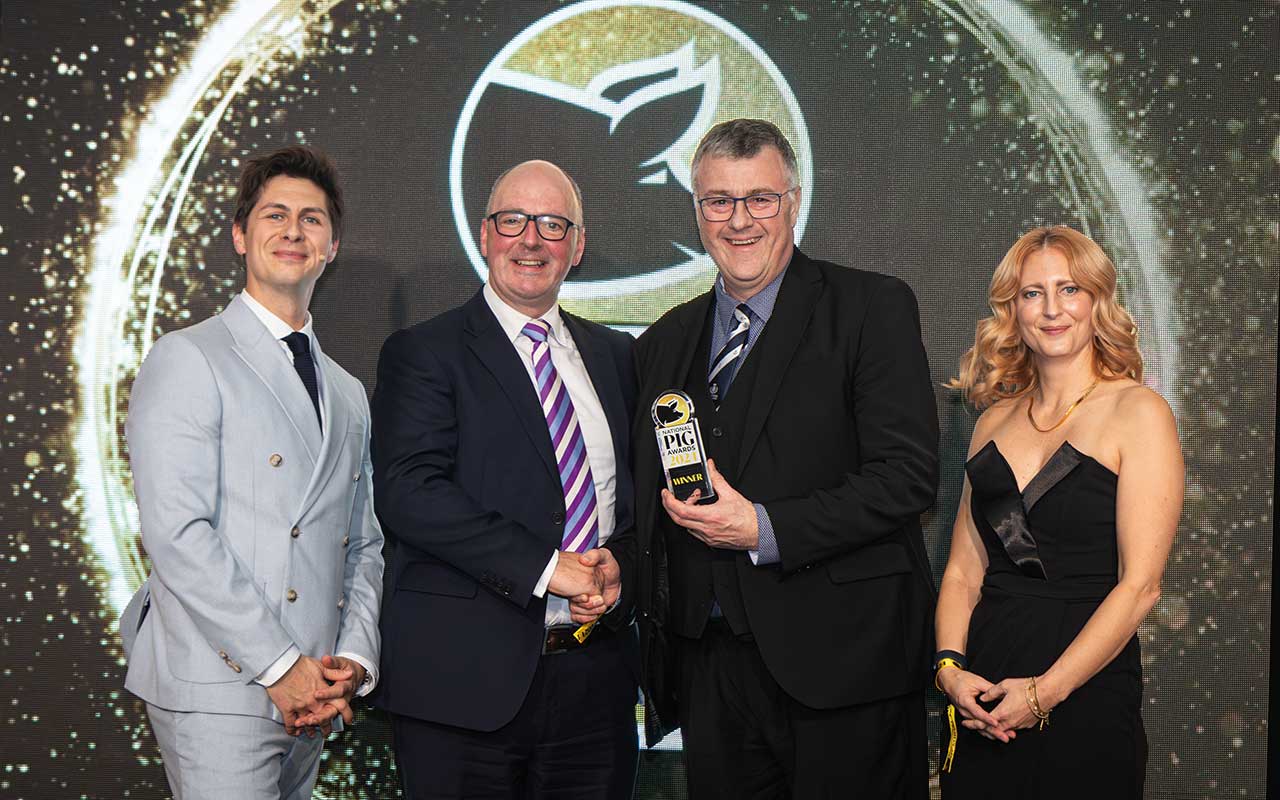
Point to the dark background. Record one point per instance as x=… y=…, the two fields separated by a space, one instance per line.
x=930 y=156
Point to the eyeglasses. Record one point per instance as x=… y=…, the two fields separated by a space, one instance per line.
x=760 y=206
x=551 y=227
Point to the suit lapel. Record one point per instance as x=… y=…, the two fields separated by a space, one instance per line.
x=491 y=346
x=262 y=353
x=796 y=298
x=337 y=421
x=672 y=351
x=604 y=377
x=678 y=352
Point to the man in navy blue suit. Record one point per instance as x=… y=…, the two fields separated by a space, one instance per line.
x=501 y=472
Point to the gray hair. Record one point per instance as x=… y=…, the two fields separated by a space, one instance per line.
x=744 y=138
x=577 y=193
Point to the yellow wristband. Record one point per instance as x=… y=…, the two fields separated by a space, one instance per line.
x=944 y=663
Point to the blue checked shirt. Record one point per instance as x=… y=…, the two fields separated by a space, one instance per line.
x=761 y=307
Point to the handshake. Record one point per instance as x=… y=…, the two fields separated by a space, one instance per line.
x=591 y=581
x=313 y=692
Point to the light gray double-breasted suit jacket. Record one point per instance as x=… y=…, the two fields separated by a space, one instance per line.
x=260 y=530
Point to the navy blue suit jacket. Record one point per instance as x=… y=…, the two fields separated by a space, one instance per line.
x=466 y=488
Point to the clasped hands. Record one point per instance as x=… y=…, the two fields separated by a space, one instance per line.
x=313 y=692
x=965 y=689
x=591 y=581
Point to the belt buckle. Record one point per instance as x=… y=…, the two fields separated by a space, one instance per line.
x=559 y=639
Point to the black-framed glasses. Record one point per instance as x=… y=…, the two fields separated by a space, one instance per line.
x=763 y=205
x=551 y=227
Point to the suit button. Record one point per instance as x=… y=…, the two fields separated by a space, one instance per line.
x=342 y=601
x=346 y=540
x=557 y=517
x=275 y=460
x=291 y=595
x=717 y=432
x=296 y=532
x=355 y=478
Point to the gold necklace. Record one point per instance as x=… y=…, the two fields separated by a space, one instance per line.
x=1058 y=424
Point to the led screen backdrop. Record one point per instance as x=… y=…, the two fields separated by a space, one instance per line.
x=930 y=135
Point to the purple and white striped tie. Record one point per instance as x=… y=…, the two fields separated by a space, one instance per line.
x=582 y=519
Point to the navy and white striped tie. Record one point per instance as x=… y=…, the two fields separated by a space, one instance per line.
x=727 y=360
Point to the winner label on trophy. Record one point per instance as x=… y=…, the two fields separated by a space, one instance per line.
x=684 y=460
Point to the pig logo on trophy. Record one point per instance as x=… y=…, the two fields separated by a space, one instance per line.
x=619 y=94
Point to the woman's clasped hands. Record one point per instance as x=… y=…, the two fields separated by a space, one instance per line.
x=968 y=690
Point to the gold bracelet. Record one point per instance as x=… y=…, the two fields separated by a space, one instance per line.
x=943 y=663
x=1033 y=702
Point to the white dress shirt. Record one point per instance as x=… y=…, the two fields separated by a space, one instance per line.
x=279 y=329
x=591 y=420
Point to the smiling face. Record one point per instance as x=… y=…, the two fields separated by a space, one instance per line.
x=1055 y=315
x=287 y=239
x=749 y=252
x=526 y=270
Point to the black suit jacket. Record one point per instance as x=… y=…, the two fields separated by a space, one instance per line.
x=840 y=444
x=466 y=488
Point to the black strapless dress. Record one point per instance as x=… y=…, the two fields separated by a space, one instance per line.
x=1051 y=553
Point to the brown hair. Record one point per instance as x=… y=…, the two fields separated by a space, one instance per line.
x=295 y=161
x=1000 y=365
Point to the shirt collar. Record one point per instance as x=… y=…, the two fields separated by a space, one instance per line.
x=761 y=303
x=277 y=327
x=513 y=322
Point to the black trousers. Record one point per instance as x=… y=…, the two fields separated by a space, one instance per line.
x=744 y=737
x=574 y=738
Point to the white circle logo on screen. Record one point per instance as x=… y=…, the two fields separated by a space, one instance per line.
x=619 y=94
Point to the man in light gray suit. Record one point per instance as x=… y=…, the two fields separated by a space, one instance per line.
x=250 y=456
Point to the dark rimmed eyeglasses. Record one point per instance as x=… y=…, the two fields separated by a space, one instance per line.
x=763 y=205
x=551 y=227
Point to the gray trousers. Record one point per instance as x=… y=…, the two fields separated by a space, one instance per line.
x=220 y=756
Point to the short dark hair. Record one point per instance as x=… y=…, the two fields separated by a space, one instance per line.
x=744 y=138
x=295 y=161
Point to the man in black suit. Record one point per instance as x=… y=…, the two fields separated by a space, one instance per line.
x=501 y=470
x=786 y=626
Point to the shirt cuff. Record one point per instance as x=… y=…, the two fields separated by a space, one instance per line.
x=766 y=551
x=540 y=588
x=371 y=673
x=279 y=667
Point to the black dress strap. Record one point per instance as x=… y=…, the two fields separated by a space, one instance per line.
x=996 y=498
x=1065 y=459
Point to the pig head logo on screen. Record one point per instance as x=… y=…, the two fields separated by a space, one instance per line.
x=619 y=93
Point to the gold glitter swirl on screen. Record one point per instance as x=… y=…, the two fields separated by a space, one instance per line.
x=1111 y=197
x=150 y=227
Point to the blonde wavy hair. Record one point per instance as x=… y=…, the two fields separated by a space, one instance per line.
x=1001 y=366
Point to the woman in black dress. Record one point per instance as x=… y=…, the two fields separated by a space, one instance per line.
x=1072 y=497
